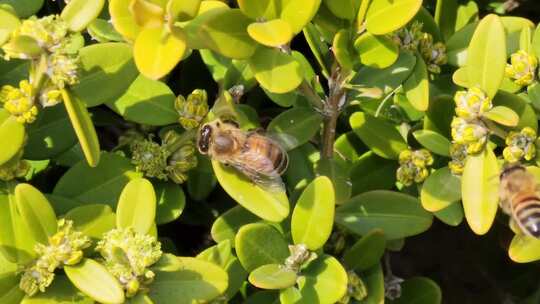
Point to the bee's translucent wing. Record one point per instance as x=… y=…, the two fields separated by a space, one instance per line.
x=270 y=183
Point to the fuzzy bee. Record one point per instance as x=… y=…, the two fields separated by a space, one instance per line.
x=259 y=157
x=520 y=198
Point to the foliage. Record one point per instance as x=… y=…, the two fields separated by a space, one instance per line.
x=394 y=114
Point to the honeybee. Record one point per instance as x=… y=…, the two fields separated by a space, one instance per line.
x=259 y=157
x=520 y=198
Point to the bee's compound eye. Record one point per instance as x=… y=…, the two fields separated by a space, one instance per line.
x=204 y=139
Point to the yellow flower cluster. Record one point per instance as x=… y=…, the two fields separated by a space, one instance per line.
x=413 y=166
x=458 y=153
x=522 y=68
x=65 y=248
x=467 y=128
x=19 y=102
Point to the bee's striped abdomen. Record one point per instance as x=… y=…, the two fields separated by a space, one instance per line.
x=527 y=214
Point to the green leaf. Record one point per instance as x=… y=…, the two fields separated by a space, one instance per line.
x=61 y=291
x=272 y=276
x=337 y=170
x=366 y=252
x=428 y=24
x=525 y=40
x=271 y=205
x=225 y=32
x=275 y=71
x=50 y=135
x=148 y=14
x=146 y=101
x=451 y=215
x=524 y=249
x=170 y=202
x=536 y=41
x=122 y=18
x=313 y=215
x=527 y=117
x=371 y=172
x=439 y=115
x=84 y=128
x=182 y=10
x=227 y=224
x=16 y=241
x=342 y=49
x=349 y=146
x=417 y=86
x=419 y=290
x=267 y=9
x=79 y=13
x=323 y=281
x=441 y=189
x=480 y=190
x=514 y=26
x=107 y=66
x=12 y=133
x=381 y=136
x=398 y=215
x=103 y=31
x=445 y=16
x=457 y=44
x=201 y=180
x=92 y=220
x=502 y=115
x=8 y=22
x=298 y=13
x=137 y=206
x=95 y=281
x=301 y=123
x=102 y=184
x=36 y=212
x=260 y=244
x=343 y=9
x=376 y=51
x=186 y=280
x=271 y=33
x=486 y=55
x=24 y=8
x=374 y=280
x=433 y=141
x=157 y=51
x=263 y=297
x=385 y=16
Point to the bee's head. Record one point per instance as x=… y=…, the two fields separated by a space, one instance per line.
x=510 y=169
x=205 y=136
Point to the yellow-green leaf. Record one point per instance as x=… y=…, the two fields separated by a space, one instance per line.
x=313 y=215
x=272 y=276
x=417 y=86
x=79 y=13
x=12 y=134
x=182 y=10
x=84 y=128
x=122 y=19
x=271 y=205
x=385 y=16
x=8 y=22
x=95 y=281
x=267 y=9
x=271 y=33
x=376 y=51
x=157 y=51
x=440 y=189
x=147 y=14
x=137 y=206
x=36 y=212
x=503 y=115
x=524 y=249
x=299 y=13
x=275 y=71
x=480 y=190
x=486 y=55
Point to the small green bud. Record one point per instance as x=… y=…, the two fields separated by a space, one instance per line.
x=472 y=104
x=413 y=166
x=300 y=256
x=408 y=38
x=434 y=54
x=150 y=158
x=14 y=169
x=522 y=68
x=193 y=110
x=520 y=145
x=473 y=134
x=356 y=288
x=19 y=102
x=458 y=153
